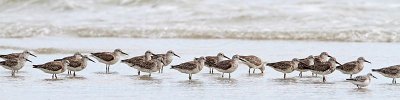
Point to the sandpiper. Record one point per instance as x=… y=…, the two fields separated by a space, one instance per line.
x=352 y=67
x=135 y=61
x=321 y=58
x=14 y=64
x=16 y=55
x=152 y=65
x=78 y=64
x=325 y=68
x=228 y=66
x=391 y=72
x=108 y=58
x=191 y=67
x=167 y=57
x=305 y=65
x=253 y=62
x=76 y=57
x=211 y=61
x=362 y=81
x=285 y=66
x=54 y=67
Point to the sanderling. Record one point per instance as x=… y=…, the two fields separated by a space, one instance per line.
x=361 y=81
x=305 y=65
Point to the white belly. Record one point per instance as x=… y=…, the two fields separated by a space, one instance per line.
x=361 y=84
x=52 y=72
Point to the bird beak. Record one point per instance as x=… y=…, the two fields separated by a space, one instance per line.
x=367 y=61
x=90 y=59
x=338 y=63
x=176 y=55
x=242 y=59
x=329 y=56
x=28 y=60
x=32 y=54
x=374 y=76
x=124 y=53
x=227 y=57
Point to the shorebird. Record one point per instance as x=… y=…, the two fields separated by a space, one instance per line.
x=76 y=56
x=362 y=81
x=321 y=58
x=108 y=58
x=325 y=68
x=228 y=66
x=135 y=61
x=285 y=66
x=16 y=55
x=14 y=64
x=211 y=61
x=152 y=65
x=253 y=62
x=78 y=64
x=305 y=65
x=391 y=72
x=168 y=57
x=191 y=67
x=54 y=67
x=352 y=67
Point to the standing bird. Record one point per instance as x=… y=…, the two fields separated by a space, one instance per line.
x=152 y=65
x=108 y=58
x=228 y=66
x=134 y=62
x=253 y=62
x=211 y=61
x=14 y=64
x=362 y=81
x=16 y=55
x=325 y=68
x=352 y=67
x=78 y=64
x=305 y=64
x=191 y=67
x=285 y=66
x=168 y=57
x=76 y=57
x=321 y=58
x=54 y=67
x=390 y=72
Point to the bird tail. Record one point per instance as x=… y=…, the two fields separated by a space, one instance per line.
x=58 y=59
x=338 y=67
x=376 y=70
x=270 y=64
x=125 y=60
x=37 y=66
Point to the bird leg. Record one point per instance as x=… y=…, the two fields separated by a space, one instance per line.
x=222 y=75
x=301 y=74
x=138 y=72
x=52 y=76
x=229 y=75
x=212 y=71
x=254 y=71
x=149 y=74
x=284 y=75
x=190 y=76
x=323 y=78
x=351 y=75
x=74 y=74
x=249 y=70
x=55 y=75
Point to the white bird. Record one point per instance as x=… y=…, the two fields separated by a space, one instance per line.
x=362 y=81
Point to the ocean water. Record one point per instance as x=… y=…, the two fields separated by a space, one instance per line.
x=124 y=83
x=321 y=20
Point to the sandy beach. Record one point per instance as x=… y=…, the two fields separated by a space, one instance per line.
x=123 y=83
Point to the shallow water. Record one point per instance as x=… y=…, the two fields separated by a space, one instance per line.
x=123 y=83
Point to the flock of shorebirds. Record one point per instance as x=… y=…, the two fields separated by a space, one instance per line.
x=323 y=64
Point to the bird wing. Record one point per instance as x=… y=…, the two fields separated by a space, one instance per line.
x=187 y=65
x=106 y=56
x=211 y=61
x=226 y=64
x=348 y=66
x=11 y=62
x=252 y=59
